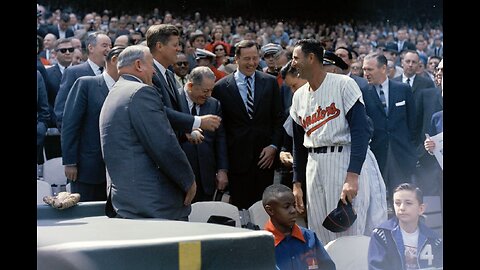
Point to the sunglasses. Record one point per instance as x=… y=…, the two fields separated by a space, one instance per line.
x=182 y=63
x=219 y=49
x=64 y=50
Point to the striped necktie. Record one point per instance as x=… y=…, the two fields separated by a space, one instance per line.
x=249 y=97
x=382 y=98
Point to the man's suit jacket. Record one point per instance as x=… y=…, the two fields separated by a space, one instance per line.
x=425 y=105
x=148 y=174
x=398 y=129
x=361 y=82
x=54 y=30
x=177 y=111
x=80 y=132
x=54 y=76
x=247 y=137
x=42 y=110
x=70 y=75
x=209 y=156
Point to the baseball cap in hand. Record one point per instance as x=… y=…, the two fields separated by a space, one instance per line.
x=341 y=218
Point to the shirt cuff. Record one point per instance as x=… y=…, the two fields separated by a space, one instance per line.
x=274 y=146
x=196 y=122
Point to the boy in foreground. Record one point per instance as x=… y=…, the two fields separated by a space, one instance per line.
x=295 y=247
x=403 y=242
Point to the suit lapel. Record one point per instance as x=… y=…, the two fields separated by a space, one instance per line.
x=259 y=92
x=103 y=86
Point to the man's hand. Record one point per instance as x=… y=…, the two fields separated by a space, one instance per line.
x=210 y=122
x=190 y=194
x=266 y=157
x=71 y=172
x=298 y=193
x=350 y=188
x=286 y=159
x=429 y=145
x=196 y=136
x=222 y=179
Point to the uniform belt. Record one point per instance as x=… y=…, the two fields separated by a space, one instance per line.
x=324 y=149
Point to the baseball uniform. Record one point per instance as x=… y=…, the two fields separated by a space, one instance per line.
x=323 y=116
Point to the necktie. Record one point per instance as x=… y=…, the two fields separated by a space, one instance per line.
x=249 y=97
x=408 y=81
x=382 y=98
x=101 y=70
x=194 y=109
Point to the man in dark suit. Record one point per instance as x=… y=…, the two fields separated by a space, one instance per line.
x=148 y=174
x=428 y=100
x=402 y=42
x=42 y=116
x=391 y=107
x=62 y=28
x=252 y=116
x=209 y=158
x=163 y=41
x=98 y=45
x=81 y=151
x=63 y=53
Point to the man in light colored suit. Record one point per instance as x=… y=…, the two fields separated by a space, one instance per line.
x=148 y=174
x=81 y=150
x=208 y=158
x=98 y=45
x=391 y=107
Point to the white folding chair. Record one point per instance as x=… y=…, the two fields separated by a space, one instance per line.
x=201 y=211
x=43 y=189
x=349 y=252
x=258 y=215
x=54 y=172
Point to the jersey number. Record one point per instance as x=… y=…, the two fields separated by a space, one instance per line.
x=426 y=254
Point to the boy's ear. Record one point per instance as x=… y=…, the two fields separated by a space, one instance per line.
x=269 y=209
x=422 y=209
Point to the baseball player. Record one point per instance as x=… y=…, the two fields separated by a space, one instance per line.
x=331 y=139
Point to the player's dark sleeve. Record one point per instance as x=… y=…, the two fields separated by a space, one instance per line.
x=360 y=131
x=300 y=154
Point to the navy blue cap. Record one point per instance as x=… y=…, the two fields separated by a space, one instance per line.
x=341 y=218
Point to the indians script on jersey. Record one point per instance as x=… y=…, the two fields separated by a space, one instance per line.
x=320 y=117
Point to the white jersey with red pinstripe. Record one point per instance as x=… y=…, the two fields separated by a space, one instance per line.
x=322 y=114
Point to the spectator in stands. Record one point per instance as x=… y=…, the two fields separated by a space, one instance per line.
x=207 y=59
x=180 y=69
x=347 y=57
x=77 y=57
x=295 y=247
x=404 y=242
x=62 y=29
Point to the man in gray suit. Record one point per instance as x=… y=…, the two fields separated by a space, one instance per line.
x=81 y=151
x=208 y=158
x=148 y=174
x=98 y=45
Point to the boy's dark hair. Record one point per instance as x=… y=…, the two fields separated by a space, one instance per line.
x=288 y=69
x=410 y=187
x=272 y=192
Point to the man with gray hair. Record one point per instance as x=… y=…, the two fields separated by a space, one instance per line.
x=208 y=158
x=148 y=175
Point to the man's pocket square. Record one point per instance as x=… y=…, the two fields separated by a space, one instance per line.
x=400 y=103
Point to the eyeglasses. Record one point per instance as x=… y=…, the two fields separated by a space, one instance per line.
x=64 y=50
x=182 y=63
x=219 y=49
